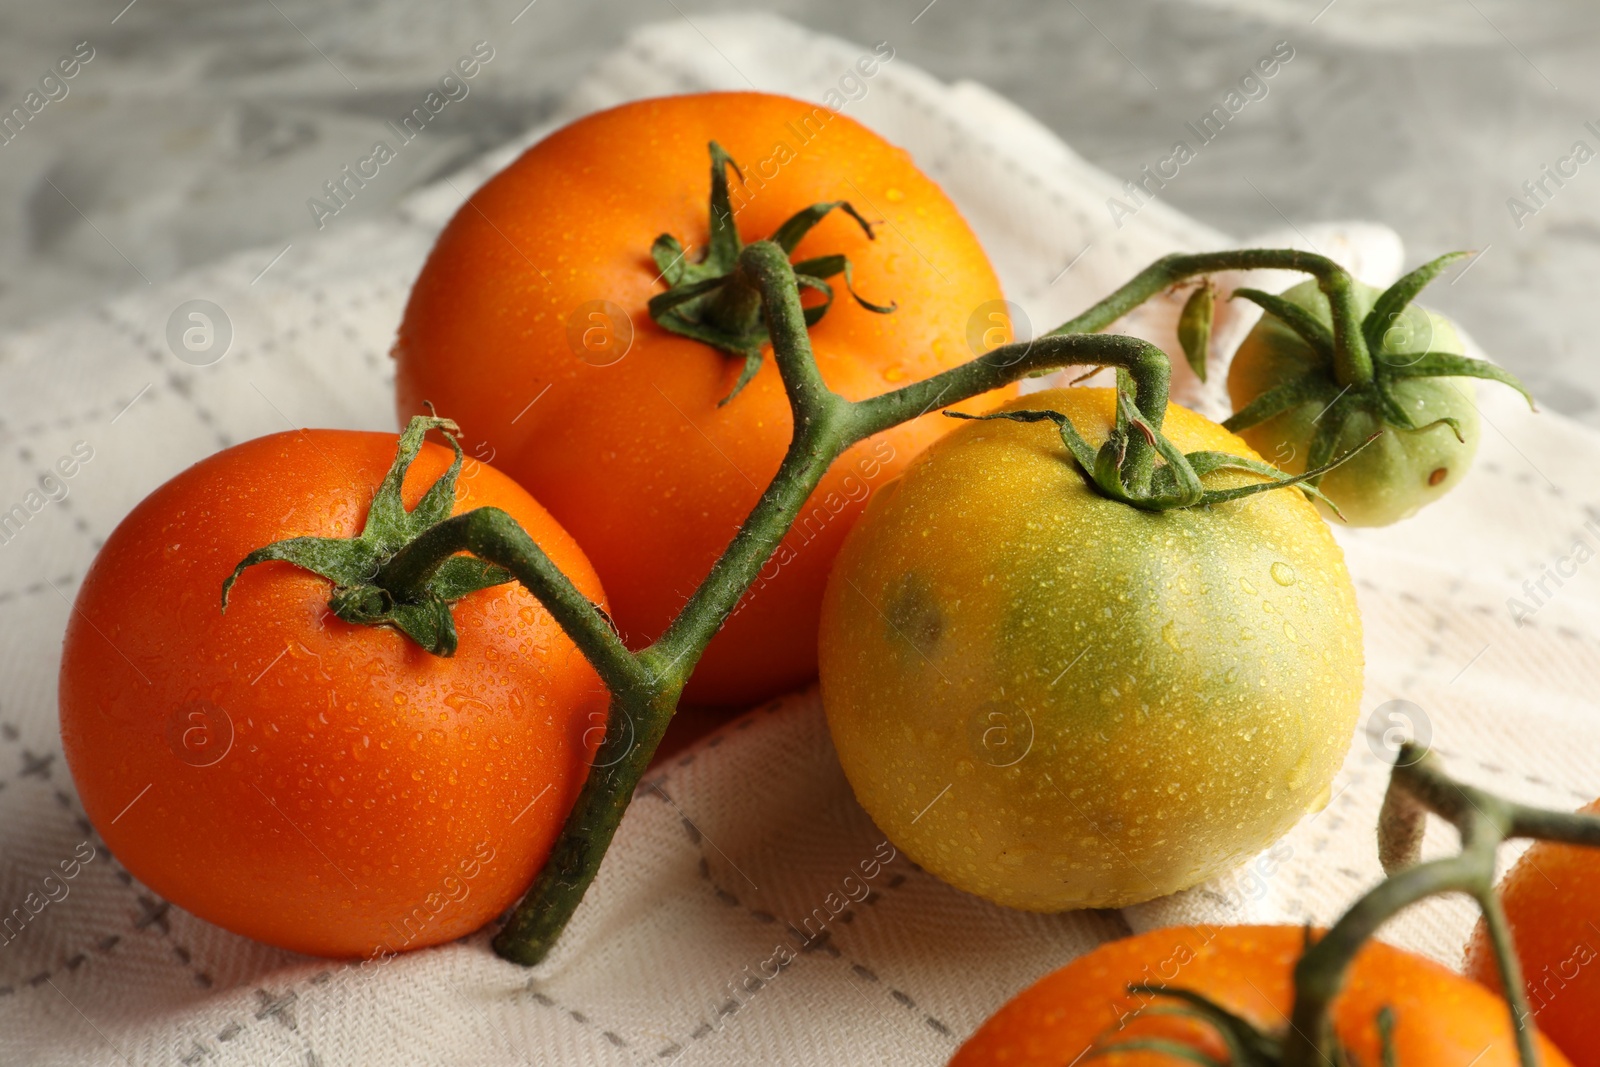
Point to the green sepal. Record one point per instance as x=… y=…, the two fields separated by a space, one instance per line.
x=662 y=303
x=1164 y=1046
x=1310 y=329
x=343 y=561
x=427 y=622
x=725 y=243
x=1386 y=1050
x=1396 y=415
x=794 y=229
x=1305 y=389
x=1395 y=299
x=1389 y=407
x=460 y=576
x=752 y=365
x=813 y=314
x=1080 y=449
x=1194 y=327
x=668 y=256
x=828 y=266
x=1247 y=1045
x=1206 y=462
x=1330 y=424
x=696 y=303
x=1446 y=420
x=353 y=564
x=1177 y=482
x=1450 y=365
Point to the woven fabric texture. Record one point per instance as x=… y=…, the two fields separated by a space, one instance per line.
x=752 y=829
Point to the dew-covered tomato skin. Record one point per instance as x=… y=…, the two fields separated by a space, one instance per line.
x=1441 y=1019
x=327 y=788
x=635 y=453
x=1552 y=902
x=1054 y=700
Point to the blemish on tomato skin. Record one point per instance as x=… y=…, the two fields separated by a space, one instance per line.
x=1438 y=475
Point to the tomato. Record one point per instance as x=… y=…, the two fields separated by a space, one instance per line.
x=1552 y=900
x=1402 y=470
x=1054 y=700
x=541 y=283
x=1440 y=1018
x=324 y=787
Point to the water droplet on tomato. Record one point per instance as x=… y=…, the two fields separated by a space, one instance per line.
x=1169 y=634
x=1283 y=574
x=1301 y=771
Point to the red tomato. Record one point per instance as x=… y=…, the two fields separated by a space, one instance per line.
x=324 y=787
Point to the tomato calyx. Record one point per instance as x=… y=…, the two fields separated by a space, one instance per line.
x=1116 y=472
x=355 y=565
x=1385 y=331
x=709 y=300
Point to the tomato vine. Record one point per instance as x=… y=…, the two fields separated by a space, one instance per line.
x=736 y=299
x=1418 y=786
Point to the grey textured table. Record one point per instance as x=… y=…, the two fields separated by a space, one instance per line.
x=198 y=128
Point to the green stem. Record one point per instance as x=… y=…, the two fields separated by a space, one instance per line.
x=1419 y=785
x=818 y=438
x=1505 y=955
x=1352 y=361
x=634 y=728
x=1320 y=974
x=1568 y=827
x=1146 y=364
x=493 y=535
x=825 y=424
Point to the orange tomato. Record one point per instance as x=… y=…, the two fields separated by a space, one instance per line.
x=325 y=787
x=516 y=329
x=1441 y=1019
x=1552 y=901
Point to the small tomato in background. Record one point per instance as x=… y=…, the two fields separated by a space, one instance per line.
x=1402 y=470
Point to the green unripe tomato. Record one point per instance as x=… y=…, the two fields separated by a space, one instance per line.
x=1055 y=700
x=1402 y=470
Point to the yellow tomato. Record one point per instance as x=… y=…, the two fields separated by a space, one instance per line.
x=1054 y=700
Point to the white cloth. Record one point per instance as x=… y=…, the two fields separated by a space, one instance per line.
x=760 y=826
